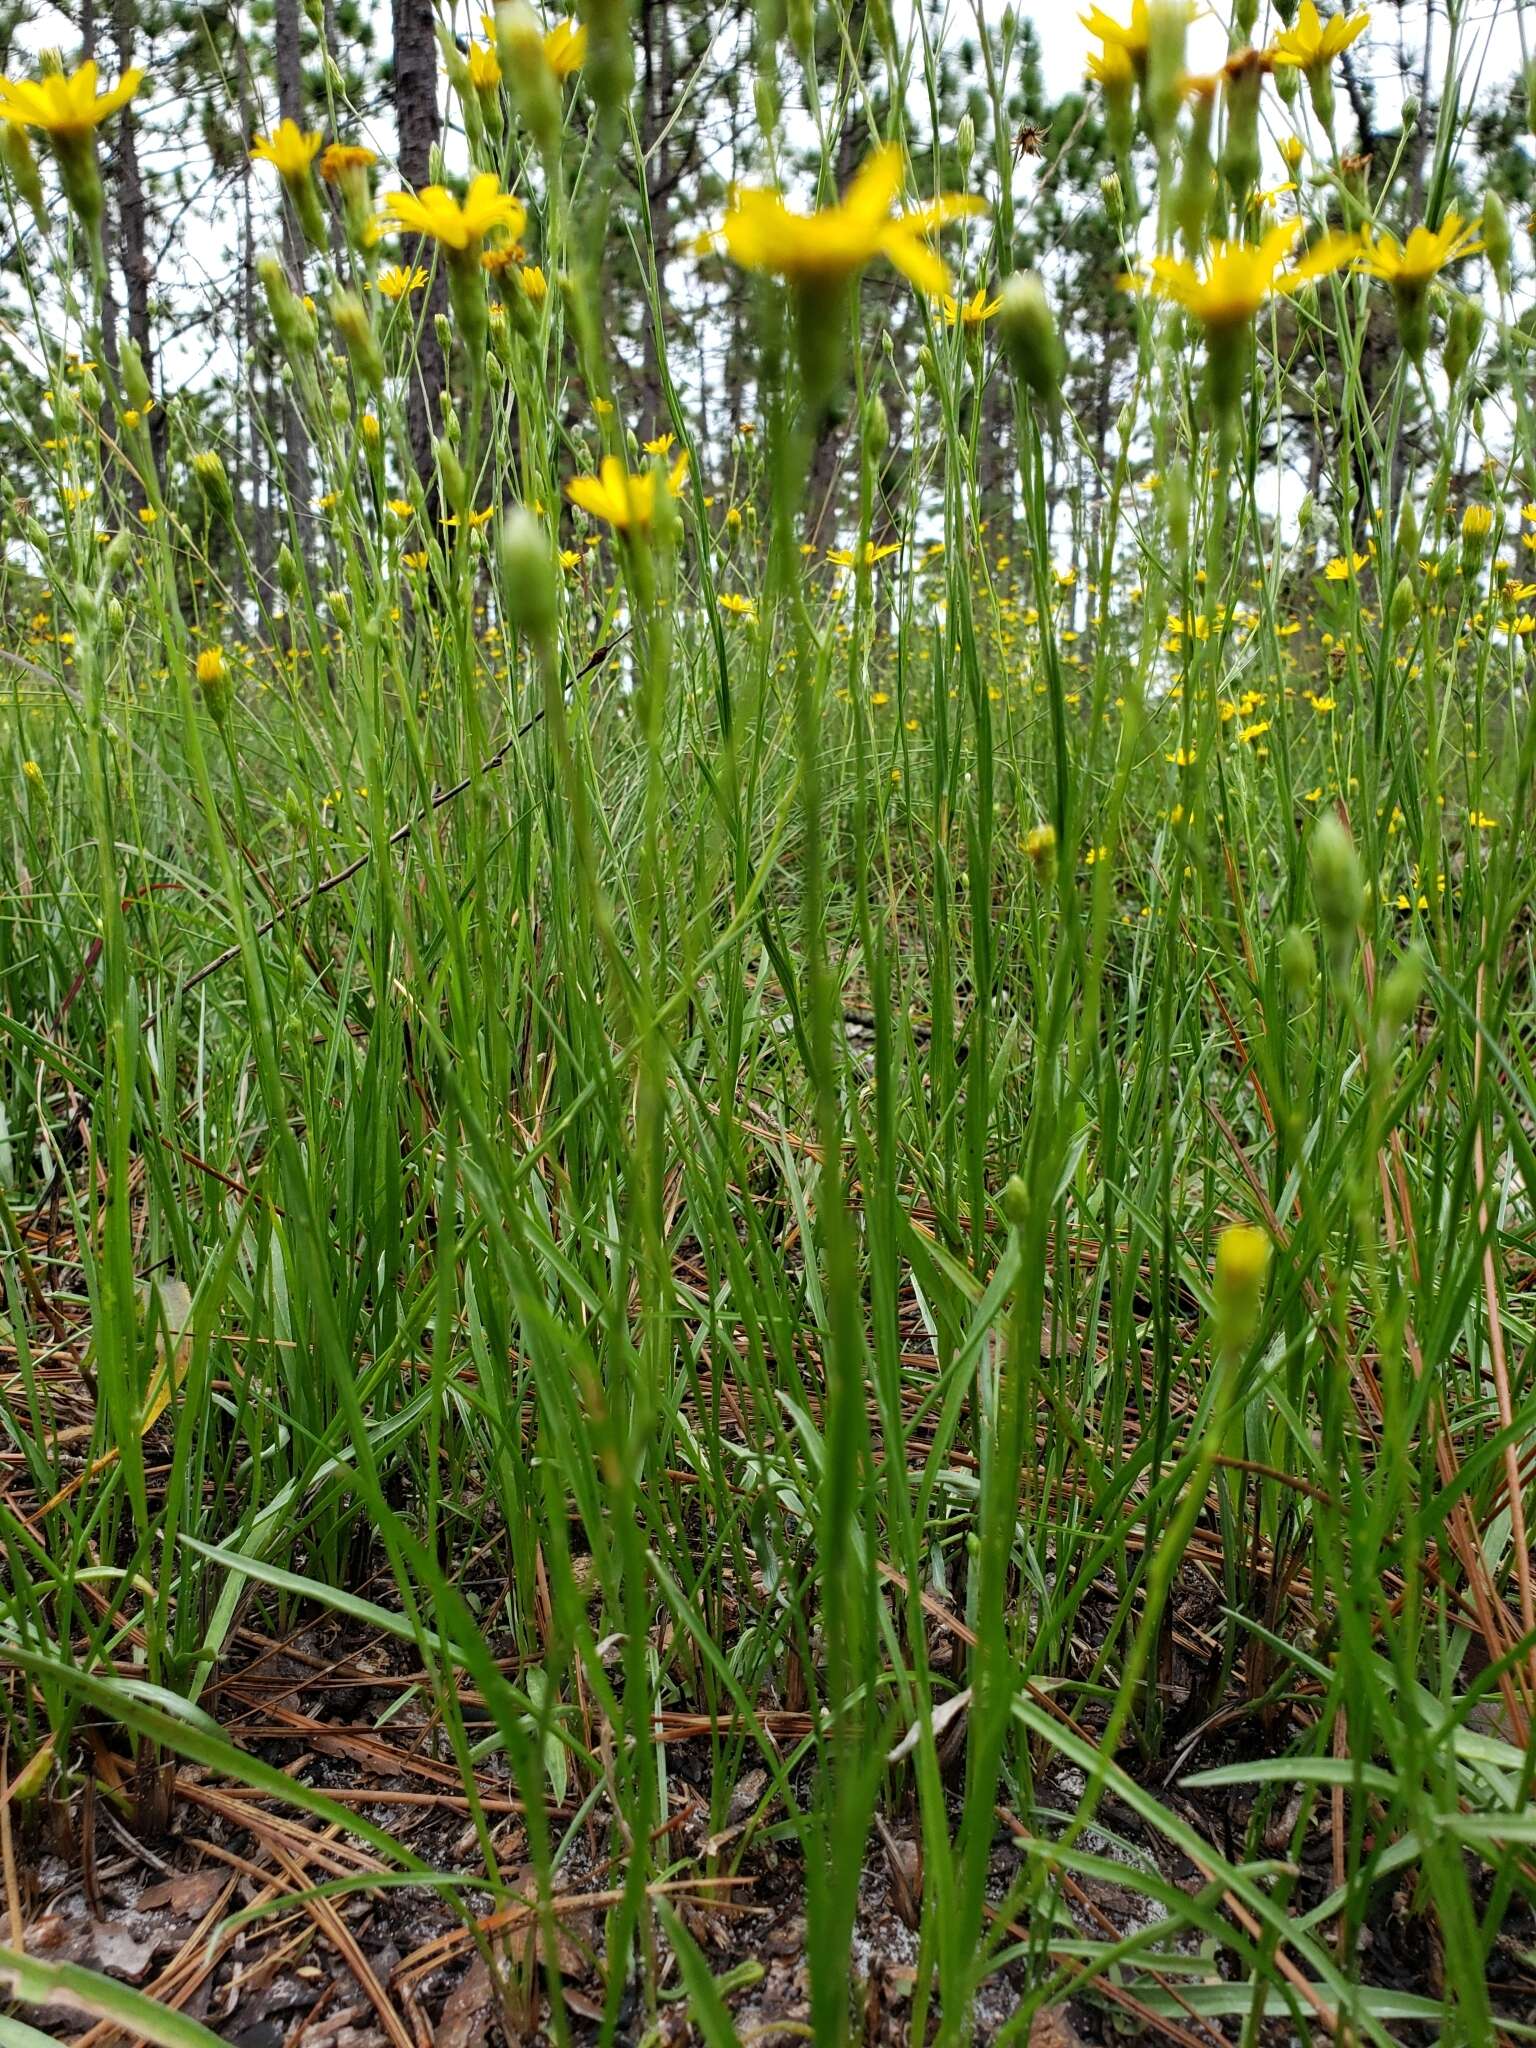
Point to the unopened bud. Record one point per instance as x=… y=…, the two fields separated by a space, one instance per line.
x=1337 y=887
x=1400 y=993
x=1497 y=241
x=1028 y=329
x=528 y=585
x=355 y=327
x=1298 y=963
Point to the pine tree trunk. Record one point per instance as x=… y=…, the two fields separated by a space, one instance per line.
x=132 y=229
x=416 y=118
x=290 y=107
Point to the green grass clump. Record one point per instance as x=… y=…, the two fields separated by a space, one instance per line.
x=908 y=1146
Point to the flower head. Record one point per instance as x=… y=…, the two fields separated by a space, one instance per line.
x=67 y=109
x=820 y=250
x=1238 y=277
x=345 y=159
x=565 y=48
x=400 y=280
x=1414 y=264
x=976 y=309
x=484 y=67
x=1313 y=41
x=460 y=225
x=626 y=502
x=289 y=149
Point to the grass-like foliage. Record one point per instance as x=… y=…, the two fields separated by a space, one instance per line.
x=865 y=1121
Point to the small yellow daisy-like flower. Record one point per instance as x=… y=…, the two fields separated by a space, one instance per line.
x=484 y=67
x=66 y=109
x=976 y=309
x=1313 y=42
x=740 y=607
x=211 y=665
x=565 y=48
x=818 y=251
x=400 y=280
x=662 y=445
x=627 y=503
x=1338 y=570
x=845 y=558
x=534 y=283
x=401 y=508
x=345 y=159
x=289 y=149
x=1414 y=264
x=148 y=515
x=1238 y=277
x=459 y=225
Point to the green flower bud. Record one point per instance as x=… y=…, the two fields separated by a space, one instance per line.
x=529 y=588
x=525 y=69
x=877 y=427
x=1167 y=24
x=16 y=155
x=1337 y=887
x=1399 y=996
x=1404 y=604
x=213 y=481
x=1497 y=242
x=1028 y=329
x=356 y=330
x=1408 y=536
x=451 y=471
x=1298 y=964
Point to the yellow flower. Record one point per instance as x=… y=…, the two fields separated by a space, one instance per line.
x=1477 y=522
x=460 y=225
x=977 y=308
x=148 y=515
x=400 y=279
x=484 y=67
x=742 y=607
x=67 y=109
x=1113 y=67
x=1122 y=42
x=402 y=508
x=534 y=283
x=1239 y=276
x=1426 y=253
x=662 y=445
x=845 y=557
x=565 y=48
x=821 y=250
x=1313 y=42
x=1338 y=570
x=210 y=665
x=626 y=502
x=343 y=158
x=289 y=149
